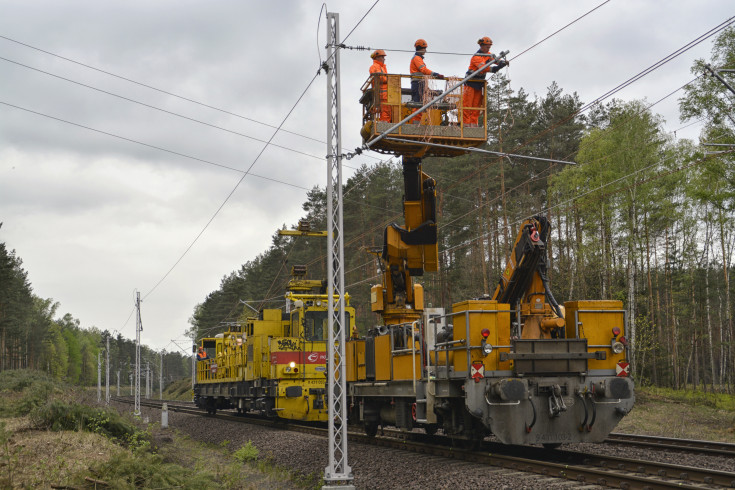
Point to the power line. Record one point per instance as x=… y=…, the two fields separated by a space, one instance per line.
x=308 y=86
x=231 y=192
x=193 y=101
x=164 y=92
x=661 y=62
x=631 y=80
x=451 y=53
x=160 y=148
x=171 y=152
x=579 y=196
x=128 y=99
x=559 y=30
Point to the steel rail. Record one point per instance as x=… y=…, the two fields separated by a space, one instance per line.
x=670 y=443
x=612 y=471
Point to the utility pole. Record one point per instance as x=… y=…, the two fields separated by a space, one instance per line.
x=118 y=382
x=193 y=365
x=107 y=372
x=138 y=328
x=337 y=471
x=147 y=380
x=160 y=379
x=99 y=377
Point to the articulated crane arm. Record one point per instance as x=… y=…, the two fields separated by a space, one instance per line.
x=524 y=283
x=408 y=251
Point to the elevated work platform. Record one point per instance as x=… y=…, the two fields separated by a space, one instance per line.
x=443 y=123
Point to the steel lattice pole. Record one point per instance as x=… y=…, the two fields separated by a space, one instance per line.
x=338 y=470
x=107 y=372
x=138 y=328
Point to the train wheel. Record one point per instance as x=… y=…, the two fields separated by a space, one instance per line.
x=371 y=429
x=552 y=445
x=431 y=429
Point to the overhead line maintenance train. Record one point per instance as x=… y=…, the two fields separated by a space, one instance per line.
x=515 y=364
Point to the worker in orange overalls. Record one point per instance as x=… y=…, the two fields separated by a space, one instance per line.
x=378 y=66
x=418 y=69
x=202 y=356
x=472 y=95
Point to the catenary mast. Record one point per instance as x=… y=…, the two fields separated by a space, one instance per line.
x=338 y=470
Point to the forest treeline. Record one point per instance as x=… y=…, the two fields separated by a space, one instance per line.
x=641 y=217
x=33 y=336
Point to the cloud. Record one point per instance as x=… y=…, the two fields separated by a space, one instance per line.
x=94 y=217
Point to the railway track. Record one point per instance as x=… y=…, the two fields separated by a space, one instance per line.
x=587 y=469
x=671 y=444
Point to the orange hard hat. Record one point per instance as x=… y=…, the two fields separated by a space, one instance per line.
x=376 y=53
x=484 y=40
x=420 y=43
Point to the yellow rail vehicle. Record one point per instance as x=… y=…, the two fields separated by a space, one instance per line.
x=275 y=363
x=515 y=364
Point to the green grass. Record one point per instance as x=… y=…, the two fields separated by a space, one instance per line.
x=48 y=438
x=21 y=391
x=147 y=471
x=685 y=414
x=721 y=401
x=179 y=390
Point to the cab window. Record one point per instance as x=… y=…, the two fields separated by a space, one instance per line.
x=295 y=323
x=316 y=325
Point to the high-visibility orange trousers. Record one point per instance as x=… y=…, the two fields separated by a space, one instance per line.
x=385 y=110
x=471 y=97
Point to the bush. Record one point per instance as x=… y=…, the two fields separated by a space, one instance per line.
x=247 y=453
x=57 y=415
x=23 y=391
x=19 y=379
x=149 y=471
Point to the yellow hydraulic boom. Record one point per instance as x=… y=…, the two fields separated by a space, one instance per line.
x=524 y=282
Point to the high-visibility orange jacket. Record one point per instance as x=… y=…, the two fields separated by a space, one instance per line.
x=418 y=67
x=476 y=62
x=378 y=67
x=384 y=109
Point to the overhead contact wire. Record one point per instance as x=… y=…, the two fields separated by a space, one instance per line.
x=70 y=60
x=303 y=93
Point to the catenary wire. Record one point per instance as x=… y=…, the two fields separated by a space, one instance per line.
x=559 y=30
x=543 y=173
x=173 y=152
x=621 y=86
x=150 y=106
x=550 y=208
x=193 y=101
x=164 y=92
x=579 y=196
x=301 y=96
x=639 y=76
x=148 y=145
x=368 y=48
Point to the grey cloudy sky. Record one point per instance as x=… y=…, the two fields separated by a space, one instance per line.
x=95 y=217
